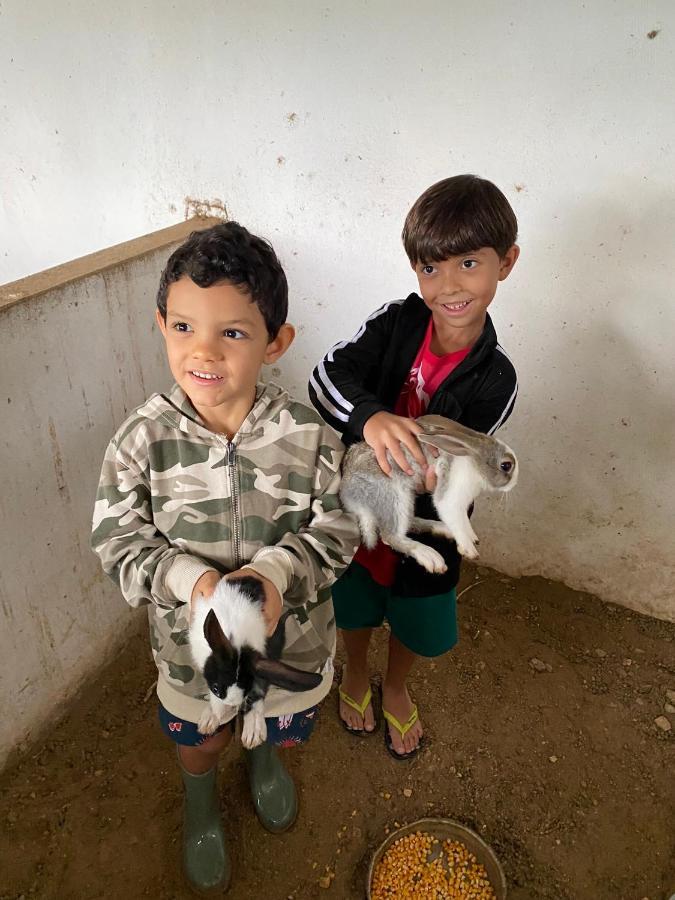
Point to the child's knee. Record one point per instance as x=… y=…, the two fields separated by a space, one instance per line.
x=213 y=744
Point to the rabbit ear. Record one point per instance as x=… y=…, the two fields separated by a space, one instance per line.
x=434 y=424
x=448 y=442
x=214 y=634
x=275 y=672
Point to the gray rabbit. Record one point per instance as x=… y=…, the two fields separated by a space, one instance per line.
x=467 y=464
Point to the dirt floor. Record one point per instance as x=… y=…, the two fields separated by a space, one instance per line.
x=557 y=763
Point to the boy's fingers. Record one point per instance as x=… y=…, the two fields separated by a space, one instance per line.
x=415 y=450
x=383 y=462
x=205 y=585
x=399 y=457
x=272 y=607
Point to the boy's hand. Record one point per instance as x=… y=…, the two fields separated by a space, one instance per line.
x=386 y=432
x=205 y=585
x=273 y=604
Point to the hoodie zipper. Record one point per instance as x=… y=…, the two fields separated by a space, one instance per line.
x=234 y=494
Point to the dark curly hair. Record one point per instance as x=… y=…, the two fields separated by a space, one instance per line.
x=228 y=252
x=458 y=215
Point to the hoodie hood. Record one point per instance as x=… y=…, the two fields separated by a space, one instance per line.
x=175 y=410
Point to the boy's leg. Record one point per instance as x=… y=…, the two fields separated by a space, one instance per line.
x=420 y=627
x=206 y=861
x=359 y=607
x=203 y=757
x=273 y=792
x=356 y=678
x=395 y=697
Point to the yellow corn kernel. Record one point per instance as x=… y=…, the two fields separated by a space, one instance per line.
x=406 y=872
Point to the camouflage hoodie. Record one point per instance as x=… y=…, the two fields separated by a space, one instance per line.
x=176 y=500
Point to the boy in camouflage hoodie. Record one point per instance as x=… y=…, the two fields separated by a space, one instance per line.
x=225 y=474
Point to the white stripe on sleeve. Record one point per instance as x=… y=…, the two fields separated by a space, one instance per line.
x=332 y=390
x=511 y=400
x=507 y=410
x=327 y=384
x=325 y=402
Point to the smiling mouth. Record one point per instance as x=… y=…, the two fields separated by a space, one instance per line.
x=206 y=377
x=456 y=307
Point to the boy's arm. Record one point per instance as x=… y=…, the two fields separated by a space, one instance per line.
x=336 y=386
x=147 y=568
x=495 y=404
x=313 y=558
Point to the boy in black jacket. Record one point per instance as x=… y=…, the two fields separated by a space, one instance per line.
x=437 y=353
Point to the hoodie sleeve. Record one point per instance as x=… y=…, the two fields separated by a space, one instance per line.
x=336 y=386
x=496 y=402
x=131 y=549
x=303 y=563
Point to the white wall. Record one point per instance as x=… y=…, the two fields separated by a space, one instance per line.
x=319 y=124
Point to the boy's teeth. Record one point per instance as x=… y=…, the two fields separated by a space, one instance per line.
x=205 y=375
x=457 y=305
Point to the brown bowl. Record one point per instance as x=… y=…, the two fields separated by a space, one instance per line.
x=447 y=829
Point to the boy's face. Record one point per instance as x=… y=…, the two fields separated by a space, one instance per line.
x=459 y=289
x=216 y=343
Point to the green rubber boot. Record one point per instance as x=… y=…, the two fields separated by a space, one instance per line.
x=206 y=862
x=272 y=790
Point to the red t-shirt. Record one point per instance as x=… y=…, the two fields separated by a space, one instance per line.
x=428 y=372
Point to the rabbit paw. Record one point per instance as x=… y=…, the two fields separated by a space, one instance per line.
x=208 y=722
x=468 y=550
x=430 y=560
x=254 y=728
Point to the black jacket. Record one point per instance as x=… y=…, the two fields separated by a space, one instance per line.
x=363 y=376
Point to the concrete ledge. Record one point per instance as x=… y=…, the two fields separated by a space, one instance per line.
x=95 y=263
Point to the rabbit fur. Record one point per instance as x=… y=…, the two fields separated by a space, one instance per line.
x=230 y=646
x=467 y=464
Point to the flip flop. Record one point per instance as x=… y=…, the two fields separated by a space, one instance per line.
x=360 y=709
x=403 y=729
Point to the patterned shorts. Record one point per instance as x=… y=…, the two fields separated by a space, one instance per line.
x=282 y=731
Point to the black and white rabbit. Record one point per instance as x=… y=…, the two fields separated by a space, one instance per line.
x=467 y=464
x=230 y=646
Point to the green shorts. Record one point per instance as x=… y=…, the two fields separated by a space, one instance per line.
x=425 y=625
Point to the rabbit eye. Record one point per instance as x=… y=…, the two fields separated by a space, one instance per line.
x=506 y=466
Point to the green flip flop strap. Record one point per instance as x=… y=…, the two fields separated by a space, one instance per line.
x=404 y=728
x=350 y=701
